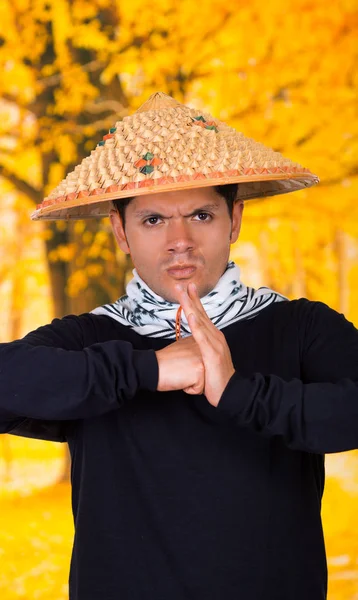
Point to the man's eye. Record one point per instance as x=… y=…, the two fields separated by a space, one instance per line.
x=151 y=221
x=203 y=216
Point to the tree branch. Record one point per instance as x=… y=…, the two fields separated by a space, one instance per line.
x=106 y=105
x=22 y=186
x=54 y=80
x=96 y=126
x=338 y=180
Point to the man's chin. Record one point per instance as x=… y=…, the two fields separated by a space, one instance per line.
x=171 y=294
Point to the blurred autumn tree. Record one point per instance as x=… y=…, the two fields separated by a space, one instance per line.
x=284 y=72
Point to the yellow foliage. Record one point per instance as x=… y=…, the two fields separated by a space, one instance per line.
x=79 y=227
x=107 y=255
x=35 y=547
x=77 y=282
x=56 y=173
x=94 y=270
x=62 y=253
x=87 y=237
x=283 y=73
x=60 y=226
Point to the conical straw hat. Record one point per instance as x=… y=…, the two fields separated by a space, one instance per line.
x=166 y=146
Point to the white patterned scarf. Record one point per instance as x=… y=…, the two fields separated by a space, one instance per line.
x=149 y=314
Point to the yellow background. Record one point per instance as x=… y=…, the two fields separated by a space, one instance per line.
x=283 y=72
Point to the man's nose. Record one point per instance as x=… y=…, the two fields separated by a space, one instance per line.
x=179 y=238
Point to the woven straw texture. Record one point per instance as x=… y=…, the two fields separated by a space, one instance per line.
x=166 y=146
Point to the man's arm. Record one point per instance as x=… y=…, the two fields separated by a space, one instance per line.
x=56 y=373
x=313 y=417
x=44 y=382
x=320 y=416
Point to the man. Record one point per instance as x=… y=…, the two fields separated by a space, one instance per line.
x=197 y=411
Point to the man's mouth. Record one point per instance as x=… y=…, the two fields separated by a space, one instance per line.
x=181 y=271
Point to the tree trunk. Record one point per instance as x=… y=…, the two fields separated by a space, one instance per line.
x=58 y=272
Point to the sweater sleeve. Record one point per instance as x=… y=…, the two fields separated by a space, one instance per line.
x=69 y=381
x=317 y=413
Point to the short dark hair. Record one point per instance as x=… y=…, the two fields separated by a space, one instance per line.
x=228 y=192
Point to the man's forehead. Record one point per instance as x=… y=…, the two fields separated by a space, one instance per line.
x=177 y=202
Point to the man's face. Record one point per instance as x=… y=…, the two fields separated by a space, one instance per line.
x=178 y=237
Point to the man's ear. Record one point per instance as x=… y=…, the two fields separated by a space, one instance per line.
x=237 y=211
x=118 y=230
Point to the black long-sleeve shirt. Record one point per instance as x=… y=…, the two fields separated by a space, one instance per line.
x=172 y=497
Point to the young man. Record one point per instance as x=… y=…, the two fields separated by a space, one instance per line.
x=197 y=410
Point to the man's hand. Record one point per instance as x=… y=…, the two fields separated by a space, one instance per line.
x=181 y=367
x=213 y=347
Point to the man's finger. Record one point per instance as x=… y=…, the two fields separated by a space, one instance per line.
x=187 y=304
x=190 y=306
x=200 y=313
x=203 y=330
x=209 y=344
x=200 y=335
x=194 y=297
x=185 y=301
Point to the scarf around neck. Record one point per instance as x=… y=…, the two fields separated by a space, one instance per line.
x=150 y=315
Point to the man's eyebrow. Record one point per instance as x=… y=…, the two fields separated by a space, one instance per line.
x=147 y=212
x=205 y=208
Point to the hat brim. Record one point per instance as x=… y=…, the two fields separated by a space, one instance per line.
x=99 y=204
